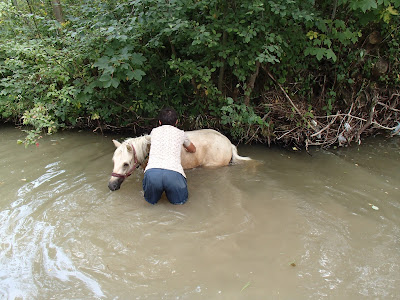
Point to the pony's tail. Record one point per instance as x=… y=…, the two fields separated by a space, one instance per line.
x=236 y=157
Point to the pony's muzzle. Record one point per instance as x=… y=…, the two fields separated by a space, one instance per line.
x=115 y=183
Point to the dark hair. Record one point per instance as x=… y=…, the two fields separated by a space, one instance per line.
x=168 y=116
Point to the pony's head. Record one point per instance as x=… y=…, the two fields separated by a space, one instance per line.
x=128 y=156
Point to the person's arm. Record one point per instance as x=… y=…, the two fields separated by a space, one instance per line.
x=189 y=147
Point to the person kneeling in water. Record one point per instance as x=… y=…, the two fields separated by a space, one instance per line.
x=164 y=170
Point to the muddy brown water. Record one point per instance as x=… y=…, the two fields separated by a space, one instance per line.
x=287 y=226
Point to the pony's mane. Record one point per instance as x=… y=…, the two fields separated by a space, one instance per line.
x=141 y=144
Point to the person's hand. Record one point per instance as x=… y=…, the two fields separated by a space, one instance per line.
x=191 y=148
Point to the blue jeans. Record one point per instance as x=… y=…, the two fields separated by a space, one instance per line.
x=157 y=181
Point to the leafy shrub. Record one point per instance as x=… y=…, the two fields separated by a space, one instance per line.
x=116 y=63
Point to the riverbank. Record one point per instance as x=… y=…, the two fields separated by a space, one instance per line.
x=368 y=113
x=290 y=125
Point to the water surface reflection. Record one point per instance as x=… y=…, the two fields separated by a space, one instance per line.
x=287 y=226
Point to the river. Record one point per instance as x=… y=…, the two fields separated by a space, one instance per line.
x=288 y=225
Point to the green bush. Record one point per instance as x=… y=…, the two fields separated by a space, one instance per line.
x=118 y=62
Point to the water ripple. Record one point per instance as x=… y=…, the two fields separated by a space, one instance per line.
x=27 y=248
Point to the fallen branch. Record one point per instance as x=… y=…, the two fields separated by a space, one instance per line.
x=383 y=127
x=389 y=107
x=286 y=133
x=325 y=128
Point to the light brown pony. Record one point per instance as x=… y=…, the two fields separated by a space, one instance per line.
x=213 y=149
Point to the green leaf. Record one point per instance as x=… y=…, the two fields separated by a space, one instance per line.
x=340 y=24
x=136 y=74
x=115 y=82
x=328 y=43
x=102 y=62
x=138 y=59
x=366 y=5
x=319 y=53
x=330 y=55
x=105 y=77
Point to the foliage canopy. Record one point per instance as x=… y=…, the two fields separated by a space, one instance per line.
x=221 y=64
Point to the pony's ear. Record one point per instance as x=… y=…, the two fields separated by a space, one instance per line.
x=116 y=143
x=129 y=147
x=148 y=139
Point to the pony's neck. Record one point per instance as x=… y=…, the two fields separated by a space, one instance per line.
x=142 y=148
